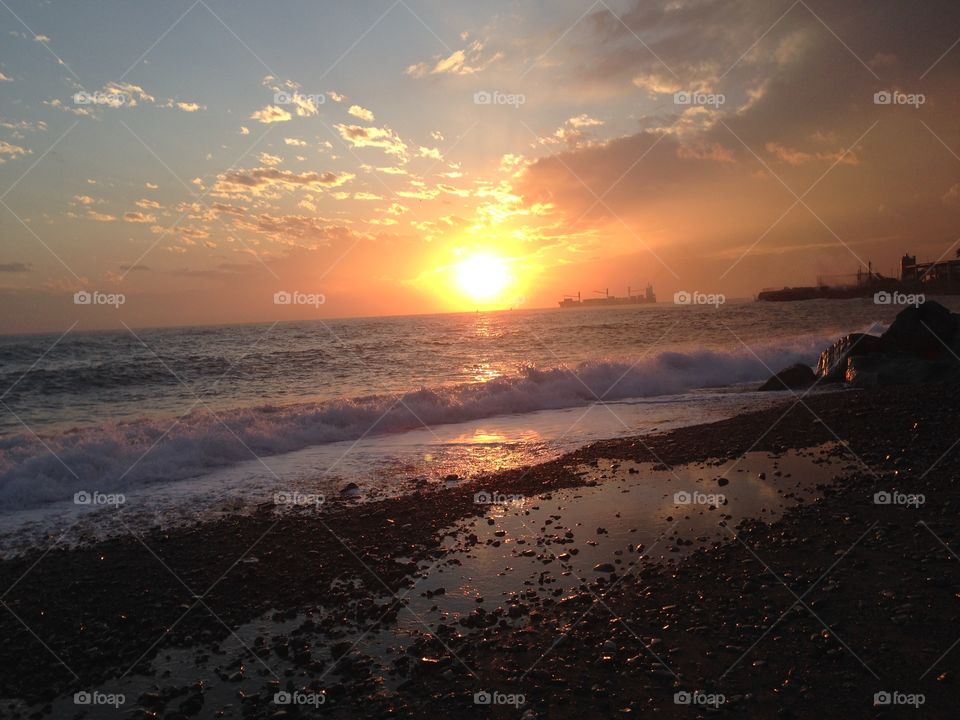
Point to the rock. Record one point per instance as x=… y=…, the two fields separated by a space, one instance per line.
x=919 y=346
x=795 y=376
x=604 y=568
x=890 y=369
x=350 y=490
x=926 y=331
x=833 y=361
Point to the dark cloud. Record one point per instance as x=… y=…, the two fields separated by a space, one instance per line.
x=15 y=267
x=799 y=103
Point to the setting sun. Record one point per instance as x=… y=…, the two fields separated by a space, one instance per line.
x=482 y=277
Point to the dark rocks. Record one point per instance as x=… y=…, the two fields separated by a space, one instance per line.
x=350 y=490
x=833 y=360
x=919 y=346
x=794 y=377
x=926 y=331
x=889 y=369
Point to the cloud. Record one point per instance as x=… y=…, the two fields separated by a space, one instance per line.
x=15 y=267
x=41 y=38
x=139 y=217
x=271 y=160
x=147 y=204
x=58 y=104
x=703 y=151
x=100 y=217
x=244 y=130
x=304 y=230
x=573 y=133
x=134 y=268
x=584 y=121
x=270 y=114
x=5 y=78
x=123 y=94
x=260 y=180
x=229 y=209
x=287 y=92
x=336 y=97
x=362 y=113
x=190 y=107
x=382 y=138
x=9 y=151
x=467 y=61
x=21 y=126
x=798 y=157
x=296 y=142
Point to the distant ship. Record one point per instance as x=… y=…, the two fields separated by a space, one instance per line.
x=647 y=298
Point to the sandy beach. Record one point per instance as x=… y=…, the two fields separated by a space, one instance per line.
x=803 y=601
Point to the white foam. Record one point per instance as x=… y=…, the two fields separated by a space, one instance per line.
x=115 y=458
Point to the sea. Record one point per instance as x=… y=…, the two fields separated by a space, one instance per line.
x=177 y=425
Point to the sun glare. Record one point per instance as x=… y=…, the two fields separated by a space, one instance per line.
x=482 y=278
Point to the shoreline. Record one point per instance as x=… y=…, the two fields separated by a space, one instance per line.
x=122 y=595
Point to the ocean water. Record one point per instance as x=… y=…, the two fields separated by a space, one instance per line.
x=188 y=419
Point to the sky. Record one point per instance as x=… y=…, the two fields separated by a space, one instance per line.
x=202 y=161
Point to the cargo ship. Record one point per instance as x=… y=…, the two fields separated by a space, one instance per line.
x=607 y=299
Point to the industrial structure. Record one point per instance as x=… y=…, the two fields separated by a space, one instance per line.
x=940 y=277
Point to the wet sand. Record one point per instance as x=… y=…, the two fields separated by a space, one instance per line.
x=588 y=587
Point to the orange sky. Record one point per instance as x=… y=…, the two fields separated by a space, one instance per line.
x=419 y=158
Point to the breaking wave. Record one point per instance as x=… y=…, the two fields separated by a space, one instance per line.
x=121 y=457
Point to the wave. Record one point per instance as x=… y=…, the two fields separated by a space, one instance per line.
x=120 y=457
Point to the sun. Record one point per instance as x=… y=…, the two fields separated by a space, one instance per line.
x=482 y=277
